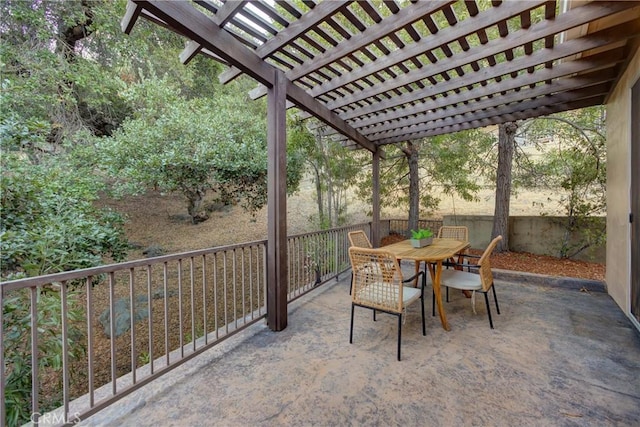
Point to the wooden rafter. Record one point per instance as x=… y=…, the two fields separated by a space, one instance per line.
x=507 y=43
x=384 y=72
x=310 y=20
x=192 y=23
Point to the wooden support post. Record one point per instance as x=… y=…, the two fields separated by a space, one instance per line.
x=375 y=200
x=277 y=263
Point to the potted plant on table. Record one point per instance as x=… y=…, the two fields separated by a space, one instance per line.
x=422 y=237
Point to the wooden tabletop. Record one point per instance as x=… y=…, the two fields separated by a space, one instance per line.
x=439 y=250
x=435 y=253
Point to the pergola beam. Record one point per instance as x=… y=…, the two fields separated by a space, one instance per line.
x=478 y=53
x=585 y=91
x=564 y=69
x=227 y=11
x=130 y=17
x=458 y=113
x=186 y=20
x=223 y=15
x=387 y=27
x=508 y=117
x=566 y=49
x=539 y=31
x=311 y=19
x=444 y=37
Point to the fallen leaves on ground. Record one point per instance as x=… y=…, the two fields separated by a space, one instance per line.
x=545 y=264
x=534 y=263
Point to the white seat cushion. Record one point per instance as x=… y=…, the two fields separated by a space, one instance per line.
x=409 y=295
x=460 y=280
x=371 y=268
x=387 y=295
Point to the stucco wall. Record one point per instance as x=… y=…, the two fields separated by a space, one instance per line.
x=618 y=275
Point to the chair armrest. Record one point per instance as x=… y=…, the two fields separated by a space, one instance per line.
x=412 y=278
x=460 y=256
x=464 y=265
x=466 y=258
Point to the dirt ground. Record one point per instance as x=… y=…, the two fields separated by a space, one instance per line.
x=157 y=220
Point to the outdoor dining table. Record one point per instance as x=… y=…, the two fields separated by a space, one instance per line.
x=432 y=255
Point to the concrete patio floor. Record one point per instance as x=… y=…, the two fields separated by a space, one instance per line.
x=557 y=356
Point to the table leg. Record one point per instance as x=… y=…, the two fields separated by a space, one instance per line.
x=435 y=279
x=415 y=281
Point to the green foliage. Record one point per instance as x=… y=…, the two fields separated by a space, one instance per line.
x=192 y=146
x=48 y=221
x=572 y=164
x=422 y=233
x=20 y=135
x=448 y=165
x=16 y=319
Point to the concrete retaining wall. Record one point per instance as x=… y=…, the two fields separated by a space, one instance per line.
x=535 y=234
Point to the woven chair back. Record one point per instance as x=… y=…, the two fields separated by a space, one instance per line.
x=377 y=279
x=486 y=277
x=359 y=238
x=454 y=232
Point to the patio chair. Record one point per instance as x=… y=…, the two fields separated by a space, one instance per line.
x=453 y=232
x=481 y=282
x=457 y=232
x=359 y=239
x=378 y=284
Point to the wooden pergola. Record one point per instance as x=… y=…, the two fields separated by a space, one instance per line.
x=383 y=72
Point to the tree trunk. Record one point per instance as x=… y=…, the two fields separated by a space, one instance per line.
x=411 y=151
x=70 y=34
x=319 y=200
x=329 y=183
x=506 y=143
x=194 y=202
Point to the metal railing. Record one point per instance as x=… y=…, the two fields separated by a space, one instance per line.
x=401 y=226
x=317 y=257
x=115 y=328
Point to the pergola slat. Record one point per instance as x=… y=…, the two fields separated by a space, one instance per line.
x=294 y=30
x=516 y=95
x=512 y=117
x=563 y=69
x=197 y=26
x=494 y=110
x=569 y=48
x=404 y=18
x=534 y=33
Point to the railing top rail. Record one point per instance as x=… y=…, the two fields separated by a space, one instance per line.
x=103 y=269
x=343 y=228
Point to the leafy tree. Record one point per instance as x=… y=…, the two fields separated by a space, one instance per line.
x=192 y=146
x=506 y=147
x=446 y=165
x=573 y=161
x=333 y=169
x=41 y=68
